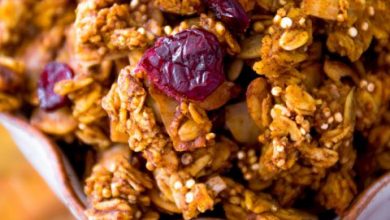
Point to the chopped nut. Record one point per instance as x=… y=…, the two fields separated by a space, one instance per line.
x=293 y=39
x=189 y=131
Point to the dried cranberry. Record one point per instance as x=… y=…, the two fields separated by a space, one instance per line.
x=186 y=65
x=53 y=73
x=9 y=80
x=231 y=13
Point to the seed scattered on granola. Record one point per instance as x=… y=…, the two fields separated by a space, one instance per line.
x=338 y=117
x=248 y=176
x=189 y=197
x=363 y=84
x=134 y=4
x=177 y=185
x=286 y=22
x=279 y=148
x=330 y=120
x=186 y=159
x=138 y=214
x=280 y=163
x=277 y=19
x=141 y=30
x=167 y=30
x=352 y=31
x=255 y=166
x=364 y=26
x=328 y=145
x=220 y=28
x=241 y=155
x=302 y=21
x=371 y=11
x=276 y=91
x=327 y=112
x=370 y=87
x=340 y=18
x=252 y=160
x=303 y=131
x=210 y=136
x=324 y=126
x=282 y=2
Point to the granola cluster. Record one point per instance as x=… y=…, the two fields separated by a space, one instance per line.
x=296 y=128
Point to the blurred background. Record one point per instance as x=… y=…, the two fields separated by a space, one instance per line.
x=23 y=193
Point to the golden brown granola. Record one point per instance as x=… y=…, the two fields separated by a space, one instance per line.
x=117 y=189
x=300 y=116
x=182 y=7
x=110 y=28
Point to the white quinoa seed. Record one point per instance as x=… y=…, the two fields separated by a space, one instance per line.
x=134 y=4
x=248 y=176
x=363 y=83
x=280 y=163
x=167 y=29
x=255 y=166
x=220 y=28
x=190 y=183
x=352 y=31
x=138 y=214
x=189 y=197
x=177 y=185
x=371 y=11
x=275 y=91
x=371 y=87
x=364 y=26
x=141 y=30
x=240 y=155
x=210 y=136
x=286 y=22
x=340 y=18
x=328 y=144
x=186 y=159
x=327 y=112
x=338 y=117
x=302 y=21
x=279 y=148
x=277 y=18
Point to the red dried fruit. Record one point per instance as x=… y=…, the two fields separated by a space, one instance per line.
x=186 y=65
x=231 y=13
x=9 y=80
x=53 y=73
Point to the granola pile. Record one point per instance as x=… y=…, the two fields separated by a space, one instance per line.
x=236 y=109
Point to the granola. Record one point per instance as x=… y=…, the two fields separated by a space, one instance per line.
x=297 y=114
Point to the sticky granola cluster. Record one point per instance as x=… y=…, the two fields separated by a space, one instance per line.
x=192 y=111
